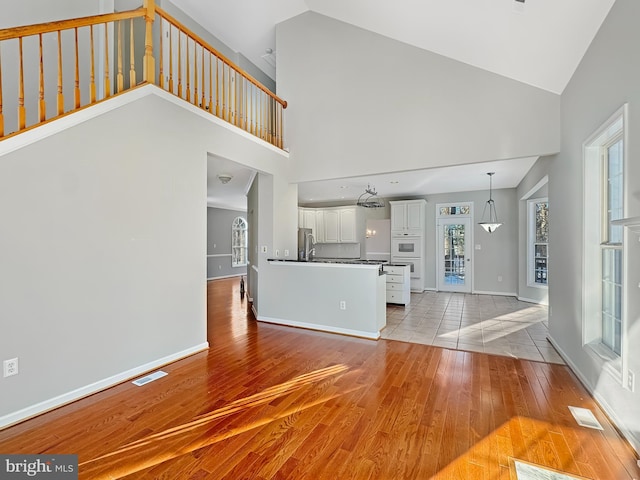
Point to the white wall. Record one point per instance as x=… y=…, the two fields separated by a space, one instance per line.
x=607 y=77
x=361 y=103
x=532 y=186
x=104 y=243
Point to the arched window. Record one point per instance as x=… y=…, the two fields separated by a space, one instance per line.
x=239 y=242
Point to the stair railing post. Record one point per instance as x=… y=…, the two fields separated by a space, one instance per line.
x=149 y=66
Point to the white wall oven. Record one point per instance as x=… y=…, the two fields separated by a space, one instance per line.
x=406 y=246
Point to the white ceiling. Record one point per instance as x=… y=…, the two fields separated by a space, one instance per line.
x=232 y=195
x=539 y=42
x=462 y=178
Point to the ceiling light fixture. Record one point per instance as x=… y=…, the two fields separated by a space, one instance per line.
x=224 y=178
x=370 y=199
x=492 y=224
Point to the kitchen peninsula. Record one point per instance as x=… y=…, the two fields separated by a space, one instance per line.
x=338 y=297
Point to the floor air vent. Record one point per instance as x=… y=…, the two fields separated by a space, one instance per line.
x=585 y=418
x=149 y=378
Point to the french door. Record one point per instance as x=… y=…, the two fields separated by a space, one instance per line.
x=454 y=252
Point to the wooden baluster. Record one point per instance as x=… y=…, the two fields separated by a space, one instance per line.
x=195 y=73
x=217 y=89
x=132 y=56
x=179 y=64
x=203 y=100
x=1 y=111
x=149 y=66
x=224 y=92
x=60 y=94
x=92 y=74
x=188 y=70
x=170 y=58
x=107 y=80
x=22 y=114
x=210 y=82
x=119 y=76
x=77 y=88
x=281 y=130
x=60 y=102
x=42 y=107
x=161 y=56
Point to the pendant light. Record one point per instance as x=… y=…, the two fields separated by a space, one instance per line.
x=492 y=224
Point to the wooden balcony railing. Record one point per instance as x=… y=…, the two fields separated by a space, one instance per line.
x=53 y=69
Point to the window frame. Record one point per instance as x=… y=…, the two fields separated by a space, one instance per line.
x=239 y=224
x=595 y=221
x=531 y=243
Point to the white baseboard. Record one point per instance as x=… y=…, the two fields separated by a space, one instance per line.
x=55 y=402
x=500 y=294
x=227 y=276
x=322 y=328
x=531 y=300
x=602 y=402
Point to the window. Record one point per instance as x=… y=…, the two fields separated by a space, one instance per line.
x=611 y=244
x=603 y=279
x=538 y=242
x=239 y=241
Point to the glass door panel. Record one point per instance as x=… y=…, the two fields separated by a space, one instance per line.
x=454 y=255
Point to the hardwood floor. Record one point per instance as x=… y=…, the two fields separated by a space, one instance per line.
x=271 y=402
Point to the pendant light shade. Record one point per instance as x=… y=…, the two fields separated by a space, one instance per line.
x=490 y=224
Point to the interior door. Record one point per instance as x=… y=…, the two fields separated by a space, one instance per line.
x=455 y=251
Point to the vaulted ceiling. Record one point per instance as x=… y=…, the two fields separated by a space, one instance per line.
x=537 y=42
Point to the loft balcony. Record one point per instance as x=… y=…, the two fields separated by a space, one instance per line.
x=53 y=69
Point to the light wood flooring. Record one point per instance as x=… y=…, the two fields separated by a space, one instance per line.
x=272 y=402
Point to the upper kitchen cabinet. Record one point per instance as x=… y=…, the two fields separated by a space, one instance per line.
x=408 y=217
x=348 y=225
x=333 y=225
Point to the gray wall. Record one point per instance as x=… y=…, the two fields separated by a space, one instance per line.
x=607 y=77
x=538 y=172
x=499 y=250
x=219 y=222
x=361 y=103
x=106 y=240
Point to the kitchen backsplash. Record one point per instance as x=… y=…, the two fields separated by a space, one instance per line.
x=337 y=250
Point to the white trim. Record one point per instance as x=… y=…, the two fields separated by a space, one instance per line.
x=55 y=126
x=95 y=387
x=221 y=206
x=602 y=401
x=531 y=300
x=322 y=328
x=541 y=183
x=226 y=276
x=219 y=255
x=502 y=294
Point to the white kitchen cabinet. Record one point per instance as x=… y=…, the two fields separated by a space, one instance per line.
x=331 y=225
x=348 y=225
x=398 y=283
x=408 y=217
x=309 y=220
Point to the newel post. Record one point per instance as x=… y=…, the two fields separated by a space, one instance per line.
x=149 y=65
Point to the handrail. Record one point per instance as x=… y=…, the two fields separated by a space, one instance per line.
x=90 y=67
x=220 y=56
x=49 y=27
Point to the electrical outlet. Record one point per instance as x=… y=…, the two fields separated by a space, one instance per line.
x=10 y=367
x=263 y=249
x=286 y=252
x=631 y=381
x=343 y=305
x=277 y=252
x=499 y=278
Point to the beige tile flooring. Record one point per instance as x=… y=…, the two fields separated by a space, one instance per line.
x=492 y=324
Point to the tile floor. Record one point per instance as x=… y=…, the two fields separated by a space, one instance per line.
x=478 y=323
